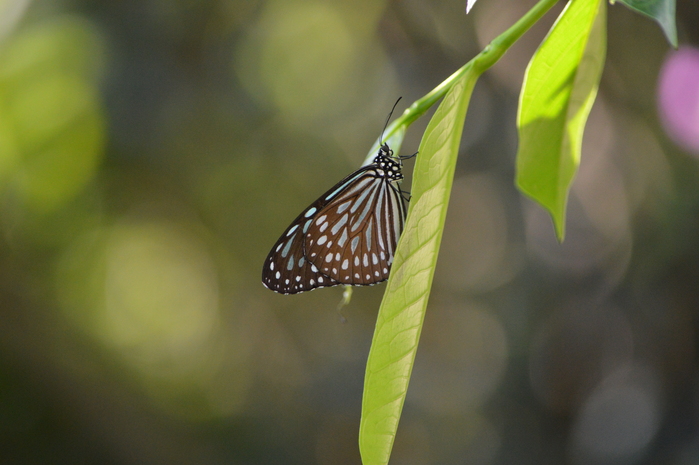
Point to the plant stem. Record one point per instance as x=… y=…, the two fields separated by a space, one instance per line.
x=481 y=62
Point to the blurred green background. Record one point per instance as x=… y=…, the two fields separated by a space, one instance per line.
x=151 y=152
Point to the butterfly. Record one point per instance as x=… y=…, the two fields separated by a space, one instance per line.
x=346 y=237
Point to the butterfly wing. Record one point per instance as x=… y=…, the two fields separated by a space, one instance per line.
x=286 y=269
x=347 y=236
x=353 y=238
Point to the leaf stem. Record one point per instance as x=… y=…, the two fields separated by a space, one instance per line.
x=480 y=63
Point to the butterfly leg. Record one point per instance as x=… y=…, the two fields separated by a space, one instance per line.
x=405 y=195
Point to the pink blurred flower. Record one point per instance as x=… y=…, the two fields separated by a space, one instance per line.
x=678 y=97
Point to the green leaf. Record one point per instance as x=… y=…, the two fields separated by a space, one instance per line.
x=662 y=11
x=559 y=89
x=403 y=307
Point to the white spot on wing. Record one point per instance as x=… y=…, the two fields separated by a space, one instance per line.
x=368 y=234
x=343 y=238
x=336 y=227
x=343 y=207
x=322 y=240
x=360 y=200
x=355 y=242
x=287 y=247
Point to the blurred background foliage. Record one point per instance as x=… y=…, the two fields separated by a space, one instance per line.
x=152 y=151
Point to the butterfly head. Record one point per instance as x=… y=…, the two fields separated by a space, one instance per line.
x=385 y=151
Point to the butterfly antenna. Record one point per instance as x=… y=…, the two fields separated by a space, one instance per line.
x=387 y=120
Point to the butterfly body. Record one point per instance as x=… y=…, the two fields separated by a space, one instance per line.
x=348 y=236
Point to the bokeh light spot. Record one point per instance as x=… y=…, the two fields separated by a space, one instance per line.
x=678 y=97
x=160 y=291
x=577 y=347
x=51 y=118
x=11 y=11
x=147 y=291
x=487 y=259
x=304 y=54
x=618 y=420
x=463 y=358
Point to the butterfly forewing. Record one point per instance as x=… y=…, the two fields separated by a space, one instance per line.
x=347 y=236
x=286 y=269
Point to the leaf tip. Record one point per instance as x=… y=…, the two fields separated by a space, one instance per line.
x=559 y=223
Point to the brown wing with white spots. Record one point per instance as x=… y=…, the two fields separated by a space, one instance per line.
x=347 y=236
x=286 y=269
x=353 y=239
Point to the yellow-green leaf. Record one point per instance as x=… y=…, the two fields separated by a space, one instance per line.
x=405 y=300
x=559 y=89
